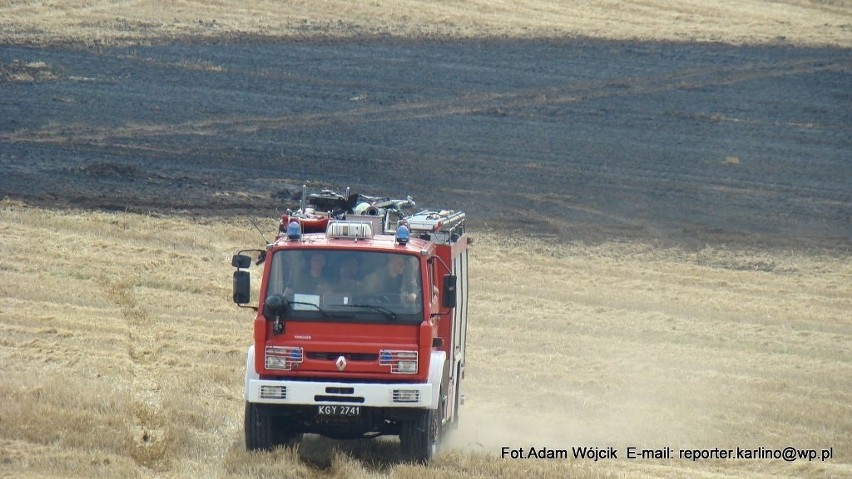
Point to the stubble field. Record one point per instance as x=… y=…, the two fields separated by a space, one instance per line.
x=801 y=22
x=121 y=355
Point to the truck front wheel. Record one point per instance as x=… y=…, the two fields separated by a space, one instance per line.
x=258 y=428
x=420 y=437
x=283 y=432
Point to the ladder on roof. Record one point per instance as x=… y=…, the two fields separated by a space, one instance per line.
x=438 y=226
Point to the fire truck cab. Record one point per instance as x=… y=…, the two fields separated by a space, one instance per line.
x=360 y=331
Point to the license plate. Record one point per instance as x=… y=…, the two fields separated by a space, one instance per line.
x=347 y=411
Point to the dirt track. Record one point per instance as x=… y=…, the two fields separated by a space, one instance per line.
x=682 y=143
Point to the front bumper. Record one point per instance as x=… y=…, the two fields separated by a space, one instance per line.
x=307 y=393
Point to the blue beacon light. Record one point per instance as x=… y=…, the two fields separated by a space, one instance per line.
x=294 y=231
x=402 y=235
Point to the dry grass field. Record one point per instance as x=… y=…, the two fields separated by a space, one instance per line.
x=122 y=356
x=802 y=22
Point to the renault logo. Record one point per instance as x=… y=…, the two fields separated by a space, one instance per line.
x=341 y=363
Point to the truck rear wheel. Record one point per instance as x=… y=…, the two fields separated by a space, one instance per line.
x=420 y=437
x=258 y=428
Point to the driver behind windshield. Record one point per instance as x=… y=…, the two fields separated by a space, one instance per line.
x=395 y=281
x=314 y=281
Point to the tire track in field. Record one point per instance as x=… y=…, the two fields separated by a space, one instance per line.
x=502 y=103
x=150 y=426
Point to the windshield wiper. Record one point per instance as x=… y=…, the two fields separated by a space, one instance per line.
x=324 y=313
x=387 y=312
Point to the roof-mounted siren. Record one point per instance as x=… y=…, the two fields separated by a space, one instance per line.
x=402 y=235
x=349 y=229
x=294 y=231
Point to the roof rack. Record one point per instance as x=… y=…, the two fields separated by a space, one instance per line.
x=439 y=226
x=373 y=214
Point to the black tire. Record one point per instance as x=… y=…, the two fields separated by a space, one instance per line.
x=282 y=432
x=258 y=428
x=419 y=438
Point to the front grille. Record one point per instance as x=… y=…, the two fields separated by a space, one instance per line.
x=348 y=356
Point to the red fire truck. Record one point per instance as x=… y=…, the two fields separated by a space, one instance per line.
x=360 y=329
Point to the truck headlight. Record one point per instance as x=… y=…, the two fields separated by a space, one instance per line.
x=283 y=358
x=406 y=367
x=400 y=362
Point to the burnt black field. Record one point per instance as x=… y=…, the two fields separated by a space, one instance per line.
x=683 y=144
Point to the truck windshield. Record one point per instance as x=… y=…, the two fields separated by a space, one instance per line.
x=356 y=286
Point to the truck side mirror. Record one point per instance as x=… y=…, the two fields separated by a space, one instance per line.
x=241 y=261
x=242 y=286
x=448 y=296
